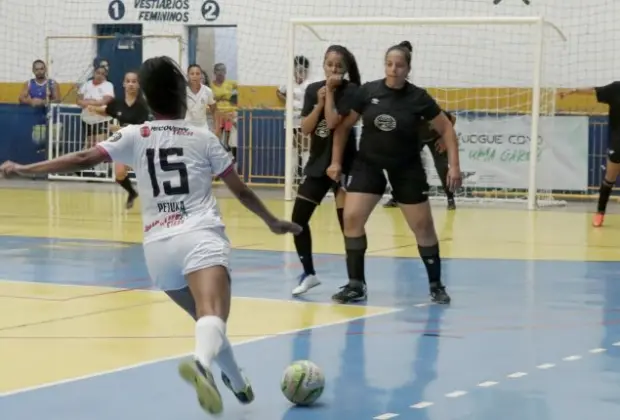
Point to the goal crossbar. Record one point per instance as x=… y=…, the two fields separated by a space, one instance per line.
x=537 y=22
x=380 y=21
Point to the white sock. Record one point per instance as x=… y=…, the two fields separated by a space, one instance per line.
x=213 y=345
x=209 y=334
x=226 y=361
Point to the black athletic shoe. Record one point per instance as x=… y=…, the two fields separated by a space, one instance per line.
x=349 y=294
x=391 y=203
x=451 y=204
x=245 y=396
x=439 y=295
x=131 y=198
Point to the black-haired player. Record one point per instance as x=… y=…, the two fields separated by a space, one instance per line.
x=392 y=110
x=430 y=138
x=185 y=243
x=130 y=109
x=326 y=103
x=610 y=95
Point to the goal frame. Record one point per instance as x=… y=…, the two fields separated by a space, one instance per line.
x=537 y=23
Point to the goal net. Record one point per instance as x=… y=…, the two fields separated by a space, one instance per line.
x=500 y=88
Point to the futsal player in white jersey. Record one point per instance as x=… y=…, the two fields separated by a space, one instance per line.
x=200 y=98
x=185 y=245
x=301 y=142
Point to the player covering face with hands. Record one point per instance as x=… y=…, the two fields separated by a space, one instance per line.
x=185 y=245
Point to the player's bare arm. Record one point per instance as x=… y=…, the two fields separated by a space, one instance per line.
x=250 y=200
x=444 y=127
x=341 y=135
x=308 y=124
x=578 y=91
x=72 y=162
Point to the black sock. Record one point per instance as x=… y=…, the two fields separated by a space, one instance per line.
x=449 y=194
x=432 y=262
x=603 y=195
x=126 y=184
x=340 y=214
x=302 y=212
x=356 y=253
x=233 y=152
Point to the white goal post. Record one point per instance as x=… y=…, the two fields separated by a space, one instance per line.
x=539 y=96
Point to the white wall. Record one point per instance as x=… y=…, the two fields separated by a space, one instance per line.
x=464 y=56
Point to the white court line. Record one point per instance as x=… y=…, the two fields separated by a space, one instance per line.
x=386 y=416
x=166 y=359
x=422 y=404
x=515 y=375
x=545 y=366
x=456 y=394
x=487 y=384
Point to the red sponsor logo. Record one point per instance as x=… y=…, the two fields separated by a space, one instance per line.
x=145 y=131
x=170 y=220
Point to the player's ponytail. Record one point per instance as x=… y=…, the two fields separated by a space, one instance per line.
x=350 y=62
x=405 y=48
x=407 y=45
x=165 y=87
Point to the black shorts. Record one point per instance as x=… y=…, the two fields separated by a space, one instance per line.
x=94 y=129
x=613 y=151
x=316 y=188
x=409 y=184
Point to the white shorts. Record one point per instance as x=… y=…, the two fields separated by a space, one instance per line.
x=169 y=260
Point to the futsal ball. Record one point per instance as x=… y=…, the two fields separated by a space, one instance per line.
x=302 y=383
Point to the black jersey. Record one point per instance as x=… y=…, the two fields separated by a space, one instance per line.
x=392 y=119
x=427 y=134
x=610 y=95
x=322 y=138
x=137 y=113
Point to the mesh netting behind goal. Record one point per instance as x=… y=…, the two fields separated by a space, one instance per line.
x=482 y=73
x=488 y=81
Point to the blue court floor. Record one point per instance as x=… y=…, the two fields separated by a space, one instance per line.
x=523 y=340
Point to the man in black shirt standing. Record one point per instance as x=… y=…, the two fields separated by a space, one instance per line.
x=392 y=110
x=610 y=95
x=431 y=139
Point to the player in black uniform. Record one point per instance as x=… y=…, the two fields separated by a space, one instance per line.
x=431 y=139
x=131 y=109
x=392 y=110
x=610 y=95
x=326 y=103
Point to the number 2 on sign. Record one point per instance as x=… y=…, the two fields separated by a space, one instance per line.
x=165 y=166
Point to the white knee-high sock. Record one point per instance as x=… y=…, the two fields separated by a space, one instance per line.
x=213 y=345
x=209 y=341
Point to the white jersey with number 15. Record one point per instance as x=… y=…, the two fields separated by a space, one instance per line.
x=174 y=163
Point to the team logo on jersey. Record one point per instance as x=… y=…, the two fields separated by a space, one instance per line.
x=116 y=137
x=321 y=129
x=385 y=122
x=145 y=131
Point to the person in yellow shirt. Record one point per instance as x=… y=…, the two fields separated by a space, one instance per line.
x=225 y=95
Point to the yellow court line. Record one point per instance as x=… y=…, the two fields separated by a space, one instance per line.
x=165 y=359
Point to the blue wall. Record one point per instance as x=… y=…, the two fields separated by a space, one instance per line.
x=260 y=138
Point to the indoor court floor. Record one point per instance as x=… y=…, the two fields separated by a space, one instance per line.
x=533 y=332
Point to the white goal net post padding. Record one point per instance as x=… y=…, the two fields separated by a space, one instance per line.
x=494 y=73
